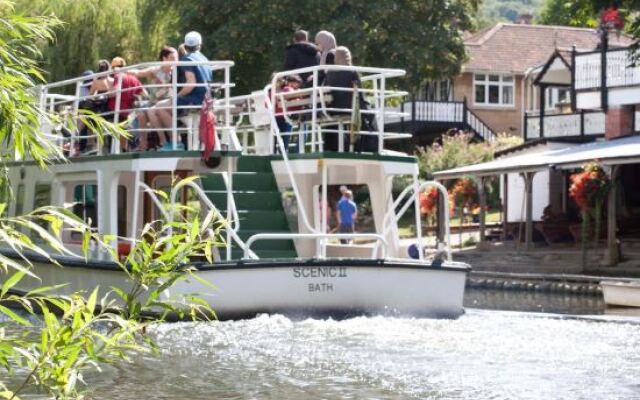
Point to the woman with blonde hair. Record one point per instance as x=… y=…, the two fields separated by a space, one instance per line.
x=118 y=62
x=344 y=83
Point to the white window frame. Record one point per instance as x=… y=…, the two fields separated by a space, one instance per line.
x=501 y=84
x=552 y=97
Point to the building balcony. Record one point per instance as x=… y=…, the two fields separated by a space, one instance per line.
x=580 y=124
x=606 y=79
x=563 y=125
x=444 y=115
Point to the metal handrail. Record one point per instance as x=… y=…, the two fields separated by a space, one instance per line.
x=276 y=131
x=280 y=236
x=49 y=101
x=423 y=185
x=203 y=197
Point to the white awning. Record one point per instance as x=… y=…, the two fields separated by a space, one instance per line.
x=611 y=152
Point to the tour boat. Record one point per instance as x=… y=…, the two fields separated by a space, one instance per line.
x=621 y=293
x=280 y=255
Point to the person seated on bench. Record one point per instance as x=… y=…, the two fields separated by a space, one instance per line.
x=191 y=80
x=286 y=85
x=341 y=99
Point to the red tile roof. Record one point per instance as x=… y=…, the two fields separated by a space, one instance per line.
x=514 y=48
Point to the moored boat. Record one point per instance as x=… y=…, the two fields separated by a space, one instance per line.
x=279 y=255
x=621 y=293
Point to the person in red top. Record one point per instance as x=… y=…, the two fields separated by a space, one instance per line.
x=131 y=87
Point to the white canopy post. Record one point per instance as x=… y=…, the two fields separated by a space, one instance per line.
x=505 y=206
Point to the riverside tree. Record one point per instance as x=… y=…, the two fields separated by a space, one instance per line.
x=423 y=37
x=48 y=341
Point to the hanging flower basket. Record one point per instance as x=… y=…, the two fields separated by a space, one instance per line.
x=611 y=21
x=589 y=189
x=589 y=186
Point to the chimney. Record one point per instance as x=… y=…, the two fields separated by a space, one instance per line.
x=619 y=121
x=524 y=19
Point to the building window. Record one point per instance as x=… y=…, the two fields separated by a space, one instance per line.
x=493 y=90
x=555 y=96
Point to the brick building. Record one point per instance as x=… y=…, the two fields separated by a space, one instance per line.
x=496 y=88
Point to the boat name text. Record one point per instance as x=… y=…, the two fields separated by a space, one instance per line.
x=320 y=272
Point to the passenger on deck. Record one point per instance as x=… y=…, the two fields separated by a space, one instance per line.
x=130 y=87
x=301 y=54
x=158 y=75
x=192 y=84
x=288 y=84
x=181 y=51
x=103 y=84
x=342 y=100
x=326 y=43
x=118 y=62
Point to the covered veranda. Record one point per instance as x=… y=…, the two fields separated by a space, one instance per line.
x=613 y=156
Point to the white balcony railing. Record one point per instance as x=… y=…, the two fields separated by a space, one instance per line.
x=620 y=70
x=564 y=125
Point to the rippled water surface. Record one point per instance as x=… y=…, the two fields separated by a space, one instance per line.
x=482 y=355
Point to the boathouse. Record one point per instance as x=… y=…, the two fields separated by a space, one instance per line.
x=599 y=122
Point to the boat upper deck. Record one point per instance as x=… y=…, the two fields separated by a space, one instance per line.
x=327 y=116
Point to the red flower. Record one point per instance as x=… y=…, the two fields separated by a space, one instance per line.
x=428 y=201
x=589 y=186
x=610 y=18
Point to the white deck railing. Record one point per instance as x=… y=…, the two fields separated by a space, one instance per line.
x=55 y=100
x=620 y=70
x=564 y=125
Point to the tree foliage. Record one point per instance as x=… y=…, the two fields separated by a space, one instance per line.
x=422 y=36
x=493 y=11
x=458 y=150
x=569 y=13
x=91 y=30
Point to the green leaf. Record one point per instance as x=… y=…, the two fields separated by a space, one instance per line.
x=13 y=316
x=11 y=282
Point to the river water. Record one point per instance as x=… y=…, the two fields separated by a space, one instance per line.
x=485 y=354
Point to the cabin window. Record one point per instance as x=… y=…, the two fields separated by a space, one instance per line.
x=19 y=201
x=122 y=211
x=42 y=196
x=493 y=90
x=85 y=198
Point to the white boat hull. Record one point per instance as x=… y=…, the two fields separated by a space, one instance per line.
x=336 y=288
x=619 y=293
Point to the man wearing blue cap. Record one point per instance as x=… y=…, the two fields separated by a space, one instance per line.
x=192 y=81
x=193 y=77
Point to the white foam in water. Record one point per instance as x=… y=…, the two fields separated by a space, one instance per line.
x=482 y=355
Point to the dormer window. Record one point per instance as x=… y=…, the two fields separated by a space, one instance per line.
x=493 y=90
